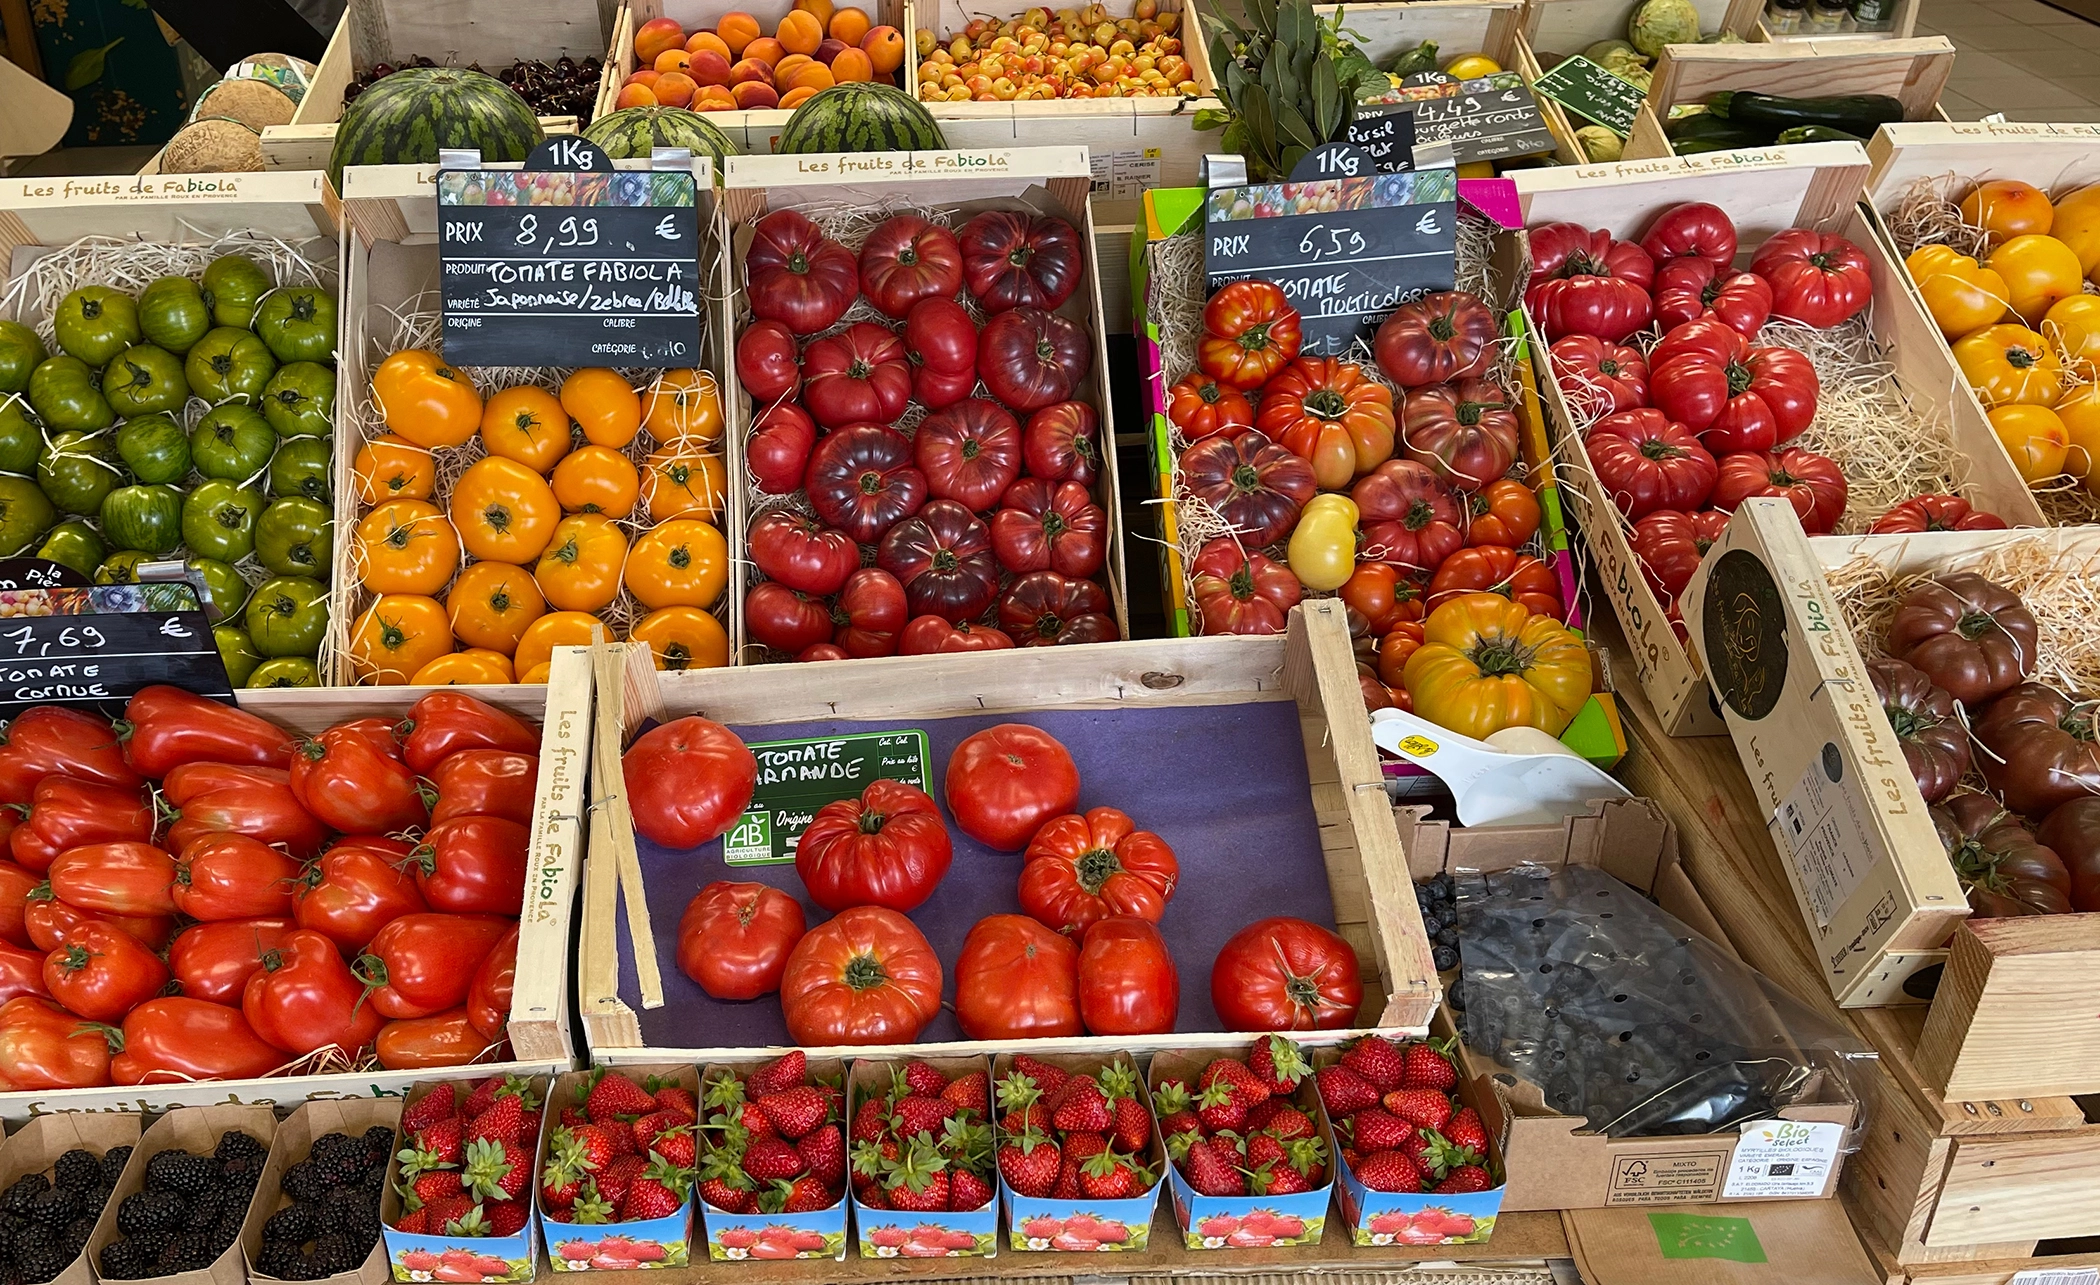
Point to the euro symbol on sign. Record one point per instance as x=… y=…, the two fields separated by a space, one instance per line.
x=172 y=627
x=1426 y=225
x=667 y=228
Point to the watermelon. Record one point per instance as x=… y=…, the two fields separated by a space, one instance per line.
x=860 y=116
x=406 y=117
x=634 y=131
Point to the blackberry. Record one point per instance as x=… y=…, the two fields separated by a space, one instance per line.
x=38 y=1255
x=74 y=1237
x=151 y=1211
x=189 y=1251
x=234 y=1144
x=296 y=1223
x=335 y=1253
x=303 y=1181
x=339 y=1160
x=113 y=1162
x=180 y=1171
x=249 y=1167
x=55 y=1207
x=379 y=1144
x=78 y=1170
x=229 y=1229
x=99 y=1194
x=28 y=1187
x=119 y=1261
x=375 y=1178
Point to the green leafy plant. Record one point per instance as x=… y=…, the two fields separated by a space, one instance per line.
x=1290 y=81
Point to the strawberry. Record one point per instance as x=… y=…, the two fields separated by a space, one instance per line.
x=1111 y=1176
x=794 y=1112
x=1278 y=1063
x=1344 y=1091
x=1377 y=1130
x=824 y=1151
x=429 y=1188
x=871 y=1159
x=658 y=1193
x=448 y=1212
x=676 y=1146
x=1466 y=1131
x=1220 y=1110
x=806 y=1195
x=1426 y=1064
x=593 y=1146
x=482 y=1094
x=1176 y=1115
x=1425 y=1108
x=1278 y=1179
x=503 y=1121
x=1067 y=1187
x=594 y=1206
x=656 y=1122
x=613 y=1181
x=917 y=1181
x=1427 y=1150
x=572 y=1116
x=1082 y=1107
x=766 y=1159
x=970 y=1092
x=725 y=1185
x=1263 y=1151
x=917 y=1115
x=870 y=1120
x=416 y=1222
x=612 y=1093
x=674 y=1097
x=1263 y=1112
x=790 y=1071
x=1247 y=1088
x=967 y=1191
x=507 y=1217
x=445 y=1140
x=1289 y=1122
x=871 y=1196
x=495 y=1171
x=1389 y=1171
x=1211 y=1172
x=1309 y=1157
x=1378 y=1060
x=1130 y=1122
x=924 y=1078
x=1047 y=1077
x=1030 y=1164
x=1084 y=1146
x=1466 y=1178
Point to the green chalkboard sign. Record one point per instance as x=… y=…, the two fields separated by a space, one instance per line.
x=795 y=778
x=1590 y=91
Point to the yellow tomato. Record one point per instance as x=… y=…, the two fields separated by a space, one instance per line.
x=683 y=638
x=1487 y=663
x=542 y=636
x=680 y=563
x=2080 y=413
x=682 y=404
x=1472 y=67
x=2035 y=438
x=473 y=666
x=1323 y=544
x=396 y=636
x=538 y=673
x=678 y=482
x=2007 y=363
x=2007 y=208
x=424 y=400
x=2038 y=271
x=491 y=604
x=596 y=479
x=394 y=468
x=580 y=571
x=405 y=546
x=526 y=424
x=602 y=404
x=2074 y=324
x=2078 y=226
x=1961 y=294
x=504 y=511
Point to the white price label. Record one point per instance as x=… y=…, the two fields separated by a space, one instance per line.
x=1783 y=1158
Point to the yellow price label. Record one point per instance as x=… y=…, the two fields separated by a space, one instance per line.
x=1419 y=746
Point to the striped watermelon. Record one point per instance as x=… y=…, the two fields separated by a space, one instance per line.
x=860 y=116
x=405 y=118
x=634 y=131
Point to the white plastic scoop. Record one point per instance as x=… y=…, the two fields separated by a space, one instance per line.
x=1518 y=776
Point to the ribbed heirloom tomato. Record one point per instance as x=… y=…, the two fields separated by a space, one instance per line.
x=1200 y=406
x=800 y=552
x=970 y=452
x=906 y=259
x=794 y=275
x=858 y=376
x=1810 y=482
x=1383 y=594
x=1045 y=609
x=1410 y=517
x=778 y=453
x=1250 y=331
x=1467 y=432
x=1817 y=279
x=1050 y=526
x=1284 y=974
x=1671 y=544
x=1256 y=486
x=866 y=976
x=1016 y=979
x=1734 y=396
x=688 y=781
x=1329 y=413
x=768 y=362
x=1503 y=512
x=1082 y=869
x=1238 y=592
x=1687 y=289
x=1598 y=378
x=928 y=635
x=1059 y=443
x=862 y=480
x=1586 y=283
x=1436 y=339
x=1004 y=782
x=735 y=938
x=1694 y=230
x=888 y=847
x=1017 y=260
x=942 y=555
x=1646 y=461
x=1030 y=359
x=1487 y=663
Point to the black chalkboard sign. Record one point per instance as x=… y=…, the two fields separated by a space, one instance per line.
x=1387 y=133
x=102 y=658
x=1334 y=160
x=569 y=262
x=1593 y=93
x=1345 y=252
x=39 y=573
x=1487 y=119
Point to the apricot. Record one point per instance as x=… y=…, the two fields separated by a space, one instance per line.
x=737 y=30
x=812 y=75
x=674 y=89
x=821 y=9
x=714 y=98
x=796 y=97
x=800 y=32
x=849 y=24
x=765 y=49
x=645 y=77
x=885 y=49
x=635 y=96
x=754 y=95
x=830 y=49
x=750 y=71
x=852 y=65
x=708 y=40
x=784 y=71
x=710 y=68
x=655 y=36
x=673 y=60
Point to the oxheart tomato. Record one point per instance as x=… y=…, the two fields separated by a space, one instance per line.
x=1467 y=432
x=1436 y=339
x=1671 y=545
x=1585 y=283
x=1250 y=331
x=103 y=973
x=1410 y=516
x=1492 y=569
x=489 y=998
x=970 y=452
x=306 y=998
x=862 y=480
x=1059 y=444
x=887 y=847
x=1256 y=486
x=1970 y=636
x=1598 y=378
x=786 y=619
x=1050 y=526
x=1647 y=461
x=45 y=1047
x=2041 y=748
x=473 y=865
x=1817 y=279
x=1004 y=782
x=1810 y=482
x=1694 y=230
x=929 y=635
x=66 y=813
x=355 y=889
x=800 y=552
x=1043 y=608
x=687 y=781
x=2003 y=869
x=940 y=341
x=485 y=782
x=1030 y=359
x=768 y=362
x=1285 y=974
x=1504 y=512
x=174 y=1039
x=121 y=878
x=423 y=964
x=906 y=259
x=735 y=938
x=942 y=555
x=1128 y=984
x=1079 y=870
x=16 y=886
x=1238 y=592
x=353 y=778
x=231 y=876
x=214 y=961
x=1200 y=406
x=782 y=438
x=794 y=275
x=869 y=613
x=866 y=976
x=1331 y=414
x=211 y=798
x=448 y=721
x=1016 y=980
x=21 y=971
x=857 y=376
x=1735 y=397
x=44 y=740
x=1934 y=738
x=1014 y=259
x=1688 y=289
x=1930 y=513
x=165 y=727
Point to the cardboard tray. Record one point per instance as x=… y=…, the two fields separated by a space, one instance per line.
x=883 y=1233
x=37 y=1145
x=196 y=1129
x=1040 y=1224
x=413 y=1256
x=1234 y=1223
x=818 y=1234
x=295 y=1138
x=578 y=1247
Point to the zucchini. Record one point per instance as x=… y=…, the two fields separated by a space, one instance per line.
x=1692 y=146
x=1711 y=128
x=1817 y=134
x=1856 y=114
x=1418 y=59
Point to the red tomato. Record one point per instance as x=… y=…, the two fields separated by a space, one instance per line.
x=121 y=878
x=174 y=1039
x=1410 y=517
x=16 y=885
x=970 y=452
x=782 y=438
x=786 y=619
x=102 y=973
x=1050 y=526
x=353 y=777
x=1285 y=974
x=906 y=259
x=1598 y=378
x=1237 y=592
x=1013 y=259
x=1646 y=461
x=1734 y=396
x=1385 y=596
x=1250 y=331
x=473 y=866
x=45 y=1047
x=355 y=889
x=688 y=781
x=490 y=783
x=1817 y=279
x=1043 y=609
x=214 y=798
x=1079 y=870
x=423 y=964
x=794 y=275
x=735 y=938
x=48 y=739
x=940 y=341
x=768 y=364
x=66 y=813
x=1694 y=230
x=1490 y=568
x=165 y=727
x=448 y=721
x=231 y=876
x=1004 y=782
x=444 y=1039
x=1030 y=359
x=21 y=972
x=942 y=556
x=1256 y=486
x=1585 y=283
x=862 y=481
x=870 y=614
x=488 y=999
x=306 y=998
x=50 y=922
x=214 y=961
x=801 y=552
x=866 y=976
x=1926 y=513
x=928 y=635
x=1468 y=432
x=858 y=376
x=1671 y=544
x=1808 y=481
x=1688 y=289
x=1128 y=984
x=1437 y=339
x=886 y=848
x=1016 y=980
x=1059 y=443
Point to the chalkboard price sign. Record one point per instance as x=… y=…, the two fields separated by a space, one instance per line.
x=1388 y=134
x=102 y=658
x=795 y=778
x=1486 y=119
x=569 y=262
x=1593 y=93
x=39 y=573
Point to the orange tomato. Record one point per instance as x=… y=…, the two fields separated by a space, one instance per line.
x=424 y=400
x=396 y=636
x=800 y=32
x=503 y=510
x=2006 y=208
x=2078 y=225
x=884 y=47
x=2009 y=363
x=526 y=424
x=393 y=468
x=492 y=603
x=599 y=400
x=681 y=563
x=2038 y=271
x=538 y=673
x=404 y=546
x=2080 y=413
x=682 y=483
x=683 y=638
x=596 y=479
x=542 y=636
x=2035 y=438
x=737 y=29
x=682 y=404
x=848 y=24
x=474 y=666
x=2073 y=324
x=580 y=571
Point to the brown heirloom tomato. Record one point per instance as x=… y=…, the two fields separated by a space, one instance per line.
x=2041 y=748
x=1971 y=637
x=1935 y=744
x=2003 y=869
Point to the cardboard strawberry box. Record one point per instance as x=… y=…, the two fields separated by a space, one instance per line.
x=424 y=1256
x=1258 y=1220
x=773 y=1231
x=1036 y=1223
x=890 y=1232
x=578 y=1240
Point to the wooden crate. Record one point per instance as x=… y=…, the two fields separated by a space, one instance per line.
x=1914 y=72
x=1807 y=185
x=1053 y=179
x=1311 y=666
x=493 y=33
x=1555 y=29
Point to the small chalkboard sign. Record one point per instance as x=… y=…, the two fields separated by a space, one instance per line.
x=569 y=262
x=1346 y=252
x=39 y=573
x=1387 y=134
x=1489 y=118
x=795 y=778
x=103 y=658
x=1333 y=160
x=1593 y=93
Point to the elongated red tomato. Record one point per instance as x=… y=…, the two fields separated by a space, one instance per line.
x=231 y=876
x=122 y=878
x=54 y=739
x=488 y=999
x=448 y=721
x=214 y=961
x=1079 y=870
x=176 y=1038
x=165 y=727
x=45 y=1047
x=50 y=921
x=16 y=884
x=214 y=798
x=102 y=973
x=485 y=783
x=353 y=777
x=734 y=938
x=1128 y=984
x=472 y=865
x=1016 y=979
x=423 y=964
x=21 y=972
x=445 y=1039
x=688 y=781
x=306 y=998
x=355 y=889
x=65 y=813
x=886 y=848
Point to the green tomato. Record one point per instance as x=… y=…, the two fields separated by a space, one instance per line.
x=25 y=514
x=285 y=671
x=21 y=435
x=300 y=467
x=238 y=651
x=300 y=400
x=293 y=537
x=20 y=352
x=173 y=314
x=229 y=363
x=223 y=586
x=95 y=323
x=77 y=469
x=233 y=285
x=287 y=616
x=144 y=380
x=155 y=449
x=218 y=520
x=75 y=543
x=298 y=323
x=121 y=567
x=66 y=393
x=146 y=518
x=232 y=442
